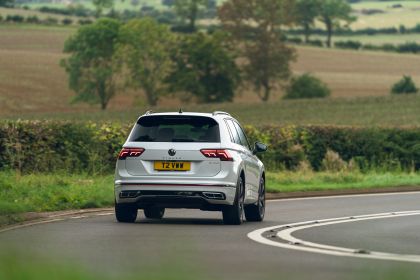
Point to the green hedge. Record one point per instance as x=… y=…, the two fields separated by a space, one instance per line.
x=368 y=148
x=33 y=146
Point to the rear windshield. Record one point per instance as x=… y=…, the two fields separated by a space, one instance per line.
x=176 y=129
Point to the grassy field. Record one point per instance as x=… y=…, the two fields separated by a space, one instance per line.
x=51 y=192
x=407 y=15
x=33 y=85
x=363 y=111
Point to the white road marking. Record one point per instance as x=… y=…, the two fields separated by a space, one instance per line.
x=105 y=214
x=78 y=217
x=30 y=224
x=286 y=240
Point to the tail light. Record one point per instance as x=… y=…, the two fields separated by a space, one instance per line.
x=223 y=155
x=130 y=152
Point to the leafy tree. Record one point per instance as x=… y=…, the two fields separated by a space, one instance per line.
x=189 y=10
x=100 y=5
x=332 y=12
x=255 y=26
x=307 y=12
x=205 y=68
x=90 y=65
x=6 y=3
x=306 y=86
x=404 y=86
x=144 y=50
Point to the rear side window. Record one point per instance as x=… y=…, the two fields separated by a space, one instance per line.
x=176 y=129
x=242 y=136
x=234 y=135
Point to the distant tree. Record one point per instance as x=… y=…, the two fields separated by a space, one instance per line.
x=332 y=13
x=404 y=86
x=100 y=5
x=306 y=86
x=168 y=3
x=144 y=52
x=189 y=9
x=255 y=26
x=307 y=11
x=6 y=3
x=90 y=65
x=135 y=3
x=205 y=68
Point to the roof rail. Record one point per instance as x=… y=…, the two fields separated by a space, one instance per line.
x=149 y=112
x=220 y=113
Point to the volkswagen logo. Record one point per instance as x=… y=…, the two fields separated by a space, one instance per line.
x=172 y=152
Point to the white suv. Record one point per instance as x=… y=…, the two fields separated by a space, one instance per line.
x=189 y=160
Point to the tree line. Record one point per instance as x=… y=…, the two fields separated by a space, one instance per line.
x=109 y=56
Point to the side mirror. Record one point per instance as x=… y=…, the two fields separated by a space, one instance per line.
x=259 y=148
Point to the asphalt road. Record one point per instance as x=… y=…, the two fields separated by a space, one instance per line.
x=196 y=244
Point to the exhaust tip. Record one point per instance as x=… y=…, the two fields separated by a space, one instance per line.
x=214 y=195
x=129 y=194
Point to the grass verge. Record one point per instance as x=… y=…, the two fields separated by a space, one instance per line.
x=52 y=192
x=321 y=181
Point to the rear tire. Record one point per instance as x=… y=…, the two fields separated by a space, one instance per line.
x=125 y=213
x=256 y=212
x=233 y=215
x=154 y=212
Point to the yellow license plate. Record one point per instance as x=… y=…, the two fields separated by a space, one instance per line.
x=172 y=166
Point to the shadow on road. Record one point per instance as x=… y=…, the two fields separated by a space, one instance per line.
x=181 y=221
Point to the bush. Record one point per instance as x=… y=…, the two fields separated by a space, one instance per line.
x=294 y=40
x=409 y=47
x=315 y=43
x=404 y=86
x=353 y=45
x=15 y=18
x=306 y=86
x=32 y=19
x=67 y=21
x=85 y=21
x=50 y=21
x=333 y=162
x=51 y=10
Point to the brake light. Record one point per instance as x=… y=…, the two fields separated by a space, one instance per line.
x=223 y=155
x=130 y=152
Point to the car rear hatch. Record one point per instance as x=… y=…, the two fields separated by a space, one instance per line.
x=174 y=145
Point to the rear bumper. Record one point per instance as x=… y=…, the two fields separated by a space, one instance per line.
x=195 y=196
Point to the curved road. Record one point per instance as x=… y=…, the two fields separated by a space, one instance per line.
x=198 y=245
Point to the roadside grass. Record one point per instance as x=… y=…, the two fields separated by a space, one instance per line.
x=52 y=192
x=288 y=181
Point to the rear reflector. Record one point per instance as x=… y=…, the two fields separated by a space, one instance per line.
x=130 y=152
x=223 y=155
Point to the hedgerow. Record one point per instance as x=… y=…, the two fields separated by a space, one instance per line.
x=49 y=146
